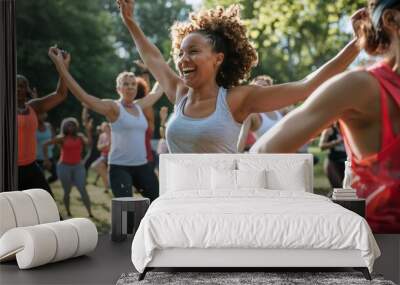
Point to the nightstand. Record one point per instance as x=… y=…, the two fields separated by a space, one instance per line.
x=355 y=205
x=126 y=214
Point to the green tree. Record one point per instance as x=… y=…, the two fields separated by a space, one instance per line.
x=294 y=37
x=83 y=28
x=93 y=33
x=155 y=18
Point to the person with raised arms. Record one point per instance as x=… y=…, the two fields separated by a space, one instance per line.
x=213 y=54
x=367 y=104
x=128 y=165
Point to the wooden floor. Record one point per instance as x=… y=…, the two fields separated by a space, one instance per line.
x=102 y=266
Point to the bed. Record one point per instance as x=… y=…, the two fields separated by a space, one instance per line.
x=246 y=211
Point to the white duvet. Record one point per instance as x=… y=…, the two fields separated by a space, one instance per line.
x=250 y=219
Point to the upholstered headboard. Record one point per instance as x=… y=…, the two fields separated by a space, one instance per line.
x=297 y=169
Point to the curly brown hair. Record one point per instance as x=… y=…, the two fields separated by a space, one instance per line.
x=227 y=34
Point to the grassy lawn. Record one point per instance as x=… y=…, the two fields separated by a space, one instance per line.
x=101 y=202
x=321 y=182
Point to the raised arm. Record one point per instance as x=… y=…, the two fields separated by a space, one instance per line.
x=46 y=103
x=107 y=108
x=150 y=54
x=149 y=100
x=88 y=139
x=163 y=120
x=262 y=99
x=329 y=103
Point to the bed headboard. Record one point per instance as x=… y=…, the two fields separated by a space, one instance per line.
x=295 y=167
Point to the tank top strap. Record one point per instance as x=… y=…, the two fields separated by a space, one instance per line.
x=389 y=83
x=180 y=105
x=121 y=107
x=222 y=104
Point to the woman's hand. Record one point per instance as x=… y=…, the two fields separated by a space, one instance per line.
x=357 y=20
x=126 y=8
x=56 y=56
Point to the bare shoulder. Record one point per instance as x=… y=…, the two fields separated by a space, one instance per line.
x=360 y=79
x=237 y=94
x=352 y=86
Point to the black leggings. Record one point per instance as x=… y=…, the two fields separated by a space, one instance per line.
x=31 y=176
x=53 y=170
x=335 y=172
x=122 y=178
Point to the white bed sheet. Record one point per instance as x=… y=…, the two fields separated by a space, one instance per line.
x=252 y=218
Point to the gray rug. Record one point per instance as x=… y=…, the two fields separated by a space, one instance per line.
x=243 y=278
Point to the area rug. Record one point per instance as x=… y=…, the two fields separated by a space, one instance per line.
x=244 y=278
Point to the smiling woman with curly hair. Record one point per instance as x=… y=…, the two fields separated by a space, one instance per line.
x=225 y=32
x=213 y=55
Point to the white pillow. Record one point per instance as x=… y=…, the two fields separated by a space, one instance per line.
x=282 y=174
x=182 y=177
x=226 y=179
x=223 y=179
x=295 y=181
x=189 y=175
x=251 y=178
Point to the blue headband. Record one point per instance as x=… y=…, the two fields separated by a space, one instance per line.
x=380 y=7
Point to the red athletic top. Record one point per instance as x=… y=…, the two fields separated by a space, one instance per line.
x=27 y=126
x=377 y=177
x=71 y=150
x=251 y=139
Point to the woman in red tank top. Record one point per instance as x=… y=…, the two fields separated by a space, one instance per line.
x=71 y=171
x=367 y=104
x=29 y=107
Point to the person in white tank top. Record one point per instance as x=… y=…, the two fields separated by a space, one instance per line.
x=127 y=158
x=258 y=123
x=212 y=51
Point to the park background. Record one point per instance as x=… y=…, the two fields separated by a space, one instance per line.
x=292 y=38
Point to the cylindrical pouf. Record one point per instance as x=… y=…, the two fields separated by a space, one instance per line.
x=7 y=217
x=87 y=235
x=33 y=246
x=45 y=205
x=67 y=239
x=23 y=208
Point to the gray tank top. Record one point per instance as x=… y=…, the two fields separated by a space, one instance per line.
x=128 y=138
x=217 y=133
